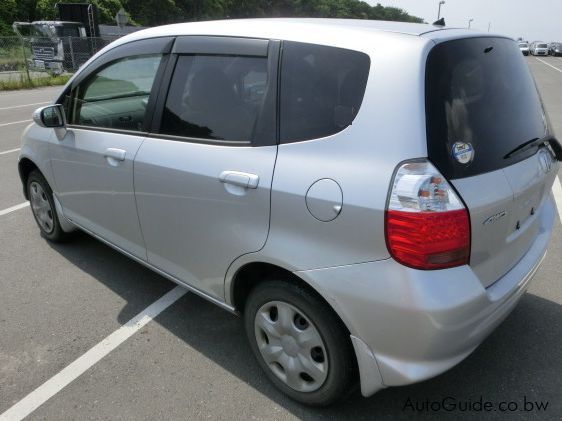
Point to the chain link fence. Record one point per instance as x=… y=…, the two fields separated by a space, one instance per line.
x=25 y=58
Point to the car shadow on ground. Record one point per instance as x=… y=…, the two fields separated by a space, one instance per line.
x=521 y=360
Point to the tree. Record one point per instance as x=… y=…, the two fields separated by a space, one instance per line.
x=158 y=12
x=7 y=15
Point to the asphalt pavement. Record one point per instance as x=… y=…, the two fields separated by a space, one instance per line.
x=192 y=361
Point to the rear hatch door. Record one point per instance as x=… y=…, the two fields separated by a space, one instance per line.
x=481 y=106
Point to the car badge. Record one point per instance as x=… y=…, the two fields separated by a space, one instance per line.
x=495 y=218
x=463 y=152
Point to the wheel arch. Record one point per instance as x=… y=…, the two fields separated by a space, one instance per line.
x=25 y=167
x=249 y=274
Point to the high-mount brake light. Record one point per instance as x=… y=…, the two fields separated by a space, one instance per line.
x=426 y=224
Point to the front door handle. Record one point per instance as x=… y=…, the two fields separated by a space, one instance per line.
x=116 y=154
x=242 y=179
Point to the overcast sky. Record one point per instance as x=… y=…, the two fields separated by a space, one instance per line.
x=533 y=20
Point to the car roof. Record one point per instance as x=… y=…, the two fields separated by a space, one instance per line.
x=281 y=25
x=358 y=34
x=55 y=22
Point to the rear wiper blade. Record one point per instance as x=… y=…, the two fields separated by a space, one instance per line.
x=537 y=142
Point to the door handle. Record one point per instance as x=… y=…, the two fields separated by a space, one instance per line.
x=117 y=154
x=242 y=179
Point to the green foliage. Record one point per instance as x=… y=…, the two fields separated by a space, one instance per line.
x=7 y=16
x=24 y=83
x=158 y=12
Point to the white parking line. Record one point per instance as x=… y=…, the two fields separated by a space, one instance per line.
x=548 y=64
x=557 y=191
x=14 y=208
x=14 y=122
x=24 y=105
x=71 y=372
x=30 y=91
x=9 y=151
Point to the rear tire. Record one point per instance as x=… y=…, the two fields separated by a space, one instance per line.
x=309 y=353
x=43 y=208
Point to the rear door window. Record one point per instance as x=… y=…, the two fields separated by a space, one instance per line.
x=321 y=90
x=480 y=92
x=217 y=97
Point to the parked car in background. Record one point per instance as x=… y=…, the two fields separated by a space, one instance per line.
x=539 y=49
x=336 y=196
x=524 y=47
x=556 y=49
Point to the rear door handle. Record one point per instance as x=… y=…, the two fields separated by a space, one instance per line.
x=117 y=154
x=242 y=179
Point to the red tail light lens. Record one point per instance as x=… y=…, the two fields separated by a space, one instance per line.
x=426 y=224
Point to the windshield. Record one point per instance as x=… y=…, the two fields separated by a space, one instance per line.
x=542 y=46
x=43 y=30
x=479 y=91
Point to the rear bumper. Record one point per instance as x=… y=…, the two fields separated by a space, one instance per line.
x=417 y=324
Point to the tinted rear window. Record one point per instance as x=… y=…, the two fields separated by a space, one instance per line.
x=321 y=89
x=217 y=97
x=480 y=91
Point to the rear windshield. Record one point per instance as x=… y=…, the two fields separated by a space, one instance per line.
x=480 y=97
x=542 y=46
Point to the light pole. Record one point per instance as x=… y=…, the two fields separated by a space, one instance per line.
x=489 y=26
x=439 y=11
x=469 y=22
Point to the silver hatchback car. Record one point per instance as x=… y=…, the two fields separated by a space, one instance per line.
x=372 y=197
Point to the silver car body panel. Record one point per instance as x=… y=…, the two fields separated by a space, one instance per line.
x=503 y=207
x=441 y=315
x=194 y=224
x=406 y=325
x=95 y=188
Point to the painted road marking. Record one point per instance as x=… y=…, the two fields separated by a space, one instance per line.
x=71 y=372
x=30 y=91
x=557 y=190
x=25 y=105
x=14 y=122
x=14 y=208
x=9 y=151
x=548 y=64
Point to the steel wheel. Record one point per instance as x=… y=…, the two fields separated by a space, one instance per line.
x=41 y=207
x=291 y=346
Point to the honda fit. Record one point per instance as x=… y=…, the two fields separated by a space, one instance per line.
x=372 y=198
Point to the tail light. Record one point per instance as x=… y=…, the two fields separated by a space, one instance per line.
x=426 y=224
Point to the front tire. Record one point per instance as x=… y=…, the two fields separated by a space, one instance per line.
x=300 y=343
x=43 y=207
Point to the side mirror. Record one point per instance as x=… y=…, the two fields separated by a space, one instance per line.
x=51 y=116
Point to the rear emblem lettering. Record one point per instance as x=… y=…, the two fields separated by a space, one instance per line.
x=463 y=152
x=495 y=217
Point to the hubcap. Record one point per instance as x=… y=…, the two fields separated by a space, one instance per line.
x=41 y=207
x=291 y=346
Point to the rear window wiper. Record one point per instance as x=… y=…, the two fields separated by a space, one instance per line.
x=548 y=140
